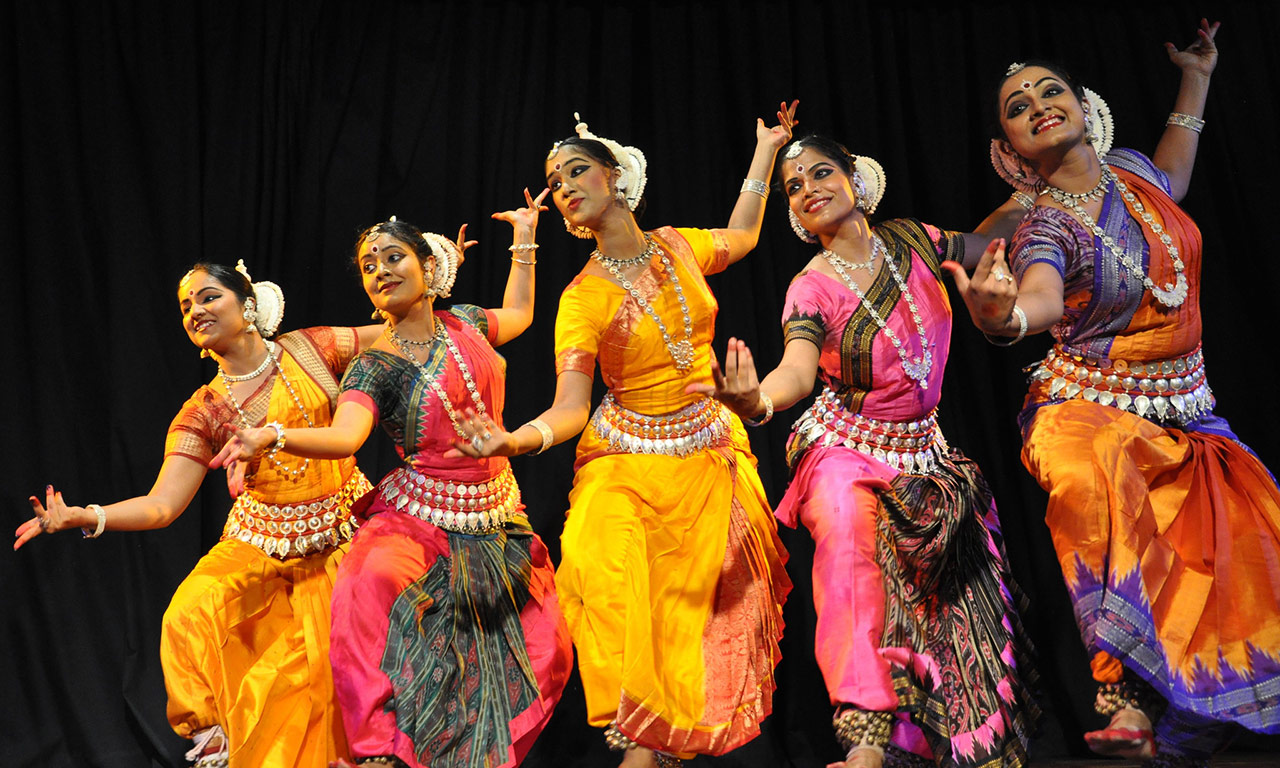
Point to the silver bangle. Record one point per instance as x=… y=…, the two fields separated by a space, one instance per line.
x=522 y=261
x=1022 y=330
x=523 y=247
x=544 y=429
x=755 y=186
x=279 y=444
x=1023 y=199
x=102 y=521
x=1182 y=120
x=768 y=412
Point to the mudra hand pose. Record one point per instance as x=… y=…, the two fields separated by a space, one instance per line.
x=245 y=640
x=672 y=574
x=917 y=637
x=448 y=644
x=1167 y=528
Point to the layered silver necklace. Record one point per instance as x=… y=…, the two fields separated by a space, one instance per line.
x=916 y=368
x=1171 y=294
x=227 y=381
x=442 y=335
x=681 y=351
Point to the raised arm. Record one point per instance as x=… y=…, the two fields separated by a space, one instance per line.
x=516 y=313
x=743 y=231
x=175 y=486
x=1176 y=152
x=756 y=401
x=352 y=423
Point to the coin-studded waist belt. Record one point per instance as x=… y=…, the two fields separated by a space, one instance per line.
x=294 y=530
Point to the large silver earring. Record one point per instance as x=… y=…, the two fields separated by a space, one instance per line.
x=579 y=232
x=378 y=315
x=250 y=316
x=799 y=229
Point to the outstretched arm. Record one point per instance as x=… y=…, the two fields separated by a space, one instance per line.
x=516 y=313
x=743 y=231
x=565 y=418
x=737 y=387
x=1176 y=152
x=351 y=426
x=995 y=299
x=175 y=486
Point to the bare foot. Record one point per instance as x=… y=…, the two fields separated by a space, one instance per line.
x=1128 y=735
x=862 y=757
x=639 y=757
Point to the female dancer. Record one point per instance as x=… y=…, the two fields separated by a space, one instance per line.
x=448 y=644
x=672 y=574
x=1167 y=528
x=245 y=640
x=914 y=612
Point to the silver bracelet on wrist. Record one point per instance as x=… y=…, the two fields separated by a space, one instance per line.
x=768 y=412
x=544 y=429
x=1182 y=120
x=279 y=444
x=101 y=514
x=523 y=247
x=1022 y=330
x=755 y=186
x=1023 y=199
x=519 y=260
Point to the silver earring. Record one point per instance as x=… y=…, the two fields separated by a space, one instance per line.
x=378 y=315
x=205 y=353
x=579 y=232
x=250 y=317
x=800 y=231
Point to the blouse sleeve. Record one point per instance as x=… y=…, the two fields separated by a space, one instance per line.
x=481 y=319
x=368 y=384
x=337 y=346
x=1135 y=162
x=192 y=432
x=577 y=331
x=710 y=248
x=802 y=312
x=1046 y=235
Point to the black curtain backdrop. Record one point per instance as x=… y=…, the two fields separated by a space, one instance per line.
x=139 y=137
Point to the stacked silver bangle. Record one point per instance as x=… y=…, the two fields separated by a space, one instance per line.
x=1190 y=122
x=768 y=412
x=755 y=186
x=523 y=248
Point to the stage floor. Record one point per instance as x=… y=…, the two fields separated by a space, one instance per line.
x=1229 y=760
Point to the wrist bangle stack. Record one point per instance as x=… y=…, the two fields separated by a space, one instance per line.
x=1190 y=122
x=768 y=412
x=523 y=248
x=755 y=186
x=101 y=514
x=548 y=437
x=1022 y=330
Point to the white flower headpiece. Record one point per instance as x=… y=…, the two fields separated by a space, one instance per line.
x=631 y=162
x=268 y=302
x=447 y=258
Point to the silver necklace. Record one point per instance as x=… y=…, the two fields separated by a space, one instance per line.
x=1099 y=189
x=266 y=361
x=1171 y=294
x=442 y=335
x=681 y=351
x=271 y=356
x=869 y=264
x=650 y=248
x=916 y=368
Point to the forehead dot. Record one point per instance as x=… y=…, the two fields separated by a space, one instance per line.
x=557 y=166
x=374 y=249
x=799 y=168
x=1026 y=84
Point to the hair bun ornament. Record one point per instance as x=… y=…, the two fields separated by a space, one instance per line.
x=268 y=300
x=630 y=160
x=1011 y=167
x=873 y=178
x=1101 y=127
x=447 y=258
